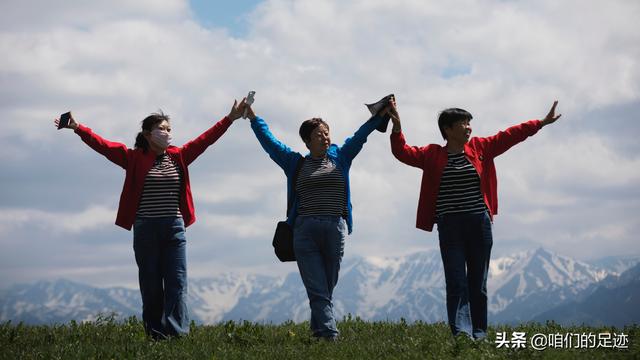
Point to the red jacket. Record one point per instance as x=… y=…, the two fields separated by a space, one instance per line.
x=137 y=164
x=480 y=152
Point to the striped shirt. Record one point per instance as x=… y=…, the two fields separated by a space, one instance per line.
x=459 y=188
x=161 y=192
x=321 y=188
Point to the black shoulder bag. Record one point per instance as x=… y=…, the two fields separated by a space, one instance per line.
x=283 y=238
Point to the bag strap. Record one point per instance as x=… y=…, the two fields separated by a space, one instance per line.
x=293 y=185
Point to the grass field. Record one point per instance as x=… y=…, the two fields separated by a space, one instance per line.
x=107 y=338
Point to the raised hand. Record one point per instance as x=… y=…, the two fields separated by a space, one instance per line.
x=237 y=109
x=72 y=122
x=551 y=116
x=250 y=114
x=392 y=110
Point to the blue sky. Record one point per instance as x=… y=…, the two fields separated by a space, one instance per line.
x=572 y=188
x=231 y=15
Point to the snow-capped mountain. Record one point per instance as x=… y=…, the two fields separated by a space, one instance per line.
x=210 y=299
x=526 y=284
x=412 y=287
x=63 y=300
x=613 y=302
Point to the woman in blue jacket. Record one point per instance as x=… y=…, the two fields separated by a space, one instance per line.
x=321 y=207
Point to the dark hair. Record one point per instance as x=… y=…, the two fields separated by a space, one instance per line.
x=147 y=125
x=308 y=126
x=450 y=116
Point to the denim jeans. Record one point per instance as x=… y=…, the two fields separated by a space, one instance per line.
x=318 y=242
x=160 y=249
x=465 y=247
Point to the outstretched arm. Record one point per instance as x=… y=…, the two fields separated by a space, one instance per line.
x=195 y=147
x=497 y=144
x=114 y=151
x=353 y=144
x=278 y=151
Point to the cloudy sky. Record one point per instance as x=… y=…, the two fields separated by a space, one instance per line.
x=572 y=188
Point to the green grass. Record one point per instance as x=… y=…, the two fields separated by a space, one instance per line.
x=107 y=338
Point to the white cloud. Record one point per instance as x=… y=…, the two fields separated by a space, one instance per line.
x=90 y=219
x=241 y=227
x=214 y=189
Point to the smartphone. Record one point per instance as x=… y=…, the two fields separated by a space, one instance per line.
x=248 y=101
x=64 y=120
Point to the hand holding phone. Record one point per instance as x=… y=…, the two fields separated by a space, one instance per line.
x=248 y=101
x=64 y=120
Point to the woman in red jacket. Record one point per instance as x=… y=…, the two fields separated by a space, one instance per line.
x=156 y=201
x=459 y=193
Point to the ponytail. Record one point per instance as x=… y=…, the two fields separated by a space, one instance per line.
x=141 y=142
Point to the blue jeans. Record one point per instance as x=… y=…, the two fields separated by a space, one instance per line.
x=465 y=247
x=160 y=249
x=318 y=242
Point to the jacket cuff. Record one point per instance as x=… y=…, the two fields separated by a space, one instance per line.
x=395 y=136
x=81 y=129
x=226 y=120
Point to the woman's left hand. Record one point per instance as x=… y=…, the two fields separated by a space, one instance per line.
x=250 y=114
x=237 y=109
x=551 y=116
x=392 y=110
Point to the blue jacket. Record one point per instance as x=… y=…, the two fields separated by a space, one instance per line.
x=287 y=159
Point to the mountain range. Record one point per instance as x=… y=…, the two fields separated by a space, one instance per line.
x=537 y=285
x=613 y=302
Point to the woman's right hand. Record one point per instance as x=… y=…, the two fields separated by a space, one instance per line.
x=392 y=110
x=72 y=122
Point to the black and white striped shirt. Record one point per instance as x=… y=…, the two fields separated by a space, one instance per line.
x=459 y=188
x=161 y=192
x=321 y=188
